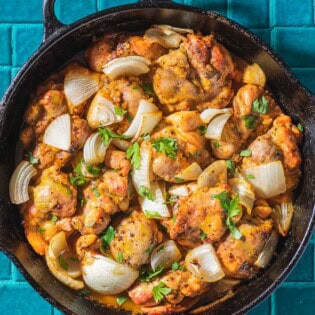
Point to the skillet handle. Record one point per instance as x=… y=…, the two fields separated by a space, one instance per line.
x=51 y=23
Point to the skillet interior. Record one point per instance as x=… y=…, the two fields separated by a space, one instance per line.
x=295 y=101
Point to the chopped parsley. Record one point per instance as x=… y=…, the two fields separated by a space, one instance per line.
x=160 y=291
x=160 y=248
x=250 y=121
x=250 y=176
x=133 y=154
x=177 y=266
x=41 y=230
x=86 y=291
x=120 y=257
x=54 y=219
x=179 y=180
x=246 y=153
x=233 y=208
x=95 y=192
x=129 y=118
x=299 y=126
x=108 y=236
x=64 y=265
x=216 y=144
x=152 y=214
x=79 y=179
x=148 y=89
x=32 y=159
x=93 y=170
x=260 y=105
x=202 y=129
x=107 y=134
x=119 y=111
x=135 y=87
x=166 y=146
x=150 y=248
x=172 y=199
x=145 y=136
x=203 y=236
x=146 y=274
x=145 y=192
x=231 y=167
x=173 y=218
x=121 y=300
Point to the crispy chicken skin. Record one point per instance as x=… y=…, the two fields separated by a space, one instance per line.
x=182 y=283
x=134 y=235
x=238 y=256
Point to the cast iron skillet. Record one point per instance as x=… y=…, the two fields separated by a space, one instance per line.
x=60 y=43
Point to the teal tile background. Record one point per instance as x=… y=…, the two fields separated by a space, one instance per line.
x=288 y=25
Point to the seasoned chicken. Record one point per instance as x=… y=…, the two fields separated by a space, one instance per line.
x=134 y=237
x=117 y=160
x=238 y=256
x=197 y=214
x=182 y=284
x=80 y=131
x=55 y=194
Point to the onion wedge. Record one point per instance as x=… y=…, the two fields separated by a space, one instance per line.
x=144 y=107
x=19 y=182
x=58 y=133
x=215 y=173
x=267 y=179
x=156 y=208
x=267 y=251
x=191 y=172
x=182 y=190
x=94 y=150
x=208 y=114
x=204 y=264
x=167 y=38
x=127 y=66
x=148 y=123
x=165 y=255
x=215 y=128
x=178 y=30
x=106 y=276
x=80 y=84
x=283 y=214
x=121 y=144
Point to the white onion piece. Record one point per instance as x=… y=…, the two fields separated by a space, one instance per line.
x=58 y=133
x=215 y=128
x=215 y=173
x=191 y=172
x=267 y=251
x=179 y=30
x=268 y=179
x=94 y=150
x=253 y=74
x=182 y=190
x=19 y=182
x=102 y=112
x=165 y=255
x=80 y=85
x=127 y=66
x=208 y=114
x=148 y=123
x=106 y=276
x=155 y=208
x=283 y=216
x=144 y=107
x=167 y=39
x=204 y=264
x=245 y=192
x=141 y=176
x=121 y=144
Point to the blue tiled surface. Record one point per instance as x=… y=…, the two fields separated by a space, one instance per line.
x=288 y=25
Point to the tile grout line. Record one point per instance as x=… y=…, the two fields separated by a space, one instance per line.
x=273 y=304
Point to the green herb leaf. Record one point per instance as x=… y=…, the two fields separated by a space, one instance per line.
x=121 y=300
x=173 y=218
x=231 y=167
x=167 y=146
x=148 y=89
x=145 y=136
x=250 y=176
x=145 y=192
x=32 y=159
x=152 y=214
x=135 y=87
x=119 y=111
x=129 y=118
x=179 y=180
x=120 y=257
x=106 y=134
x=160 y=248
x=177 y=266
x=250 y=121
x=246 y=153
x=299 y=126
x=108 y=236
x=202 y=129
x=216 y=144
x=95 y=192
x=78 y=180
x=146 y=274
x=93 y=170
x=64 y=265
x=160 y=291
x=203 y=236
x=172 y=199
x=133 y=153
x=260 y=105
x=86 y=291
x=150 y=248
x=54 y=219
x=41 y=230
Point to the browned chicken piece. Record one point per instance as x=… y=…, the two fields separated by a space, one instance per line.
x=134 y=236
x=262 y=209
x=80 y=131
x=117 y=160
x=175 y=82
x=54 y=194
x=238 y=256
x=183 y=126
x=182 y=283
x=243 y=107
x=117 y=45
x=49 y=156
x=197 y=214
x=211 y=60
x=84 y=243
